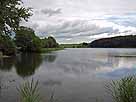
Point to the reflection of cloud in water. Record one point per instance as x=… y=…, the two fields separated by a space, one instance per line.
x=88 y=63
x=118 y=63
x=118 y=73
x=75 y=68
x=120 y=66
x=85 y=66
x=52 y=83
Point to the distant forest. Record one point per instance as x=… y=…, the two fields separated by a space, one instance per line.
x=128 y=41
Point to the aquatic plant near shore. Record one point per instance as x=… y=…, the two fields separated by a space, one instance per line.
x=29 y=92
x=123 y=90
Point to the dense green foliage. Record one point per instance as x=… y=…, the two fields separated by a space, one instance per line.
x=123 y=90
x=27 y=41
x=115 y=42
x=12 y=12
x=7 y=45
x=49 y=42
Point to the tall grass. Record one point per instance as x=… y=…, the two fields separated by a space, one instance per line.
x=29 y=92
x=123 y=90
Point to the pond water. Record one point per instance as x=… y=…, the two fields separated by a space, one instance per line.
x=72 y=75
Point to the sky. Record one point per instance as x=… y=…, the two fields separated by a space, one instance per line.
x=76 y=21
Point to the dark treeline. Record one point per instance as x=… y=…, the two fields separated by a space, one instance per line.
x=81 y=45
x=115 y=42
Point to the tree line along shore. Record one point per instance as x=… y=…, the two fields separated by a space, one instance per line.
x=16 y=38
x=25 y=40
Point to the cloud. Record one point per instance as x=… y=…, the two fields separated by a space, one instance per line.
x=79 y=30
x=51 y=12
x=72 y=29
x=82 y=20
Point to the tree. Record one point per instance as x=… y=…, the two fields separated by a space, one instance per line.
x=36 y=44
x=26 y=40
x=12 y=12
x=84 y=44
x=7 y=46
x=45 y=43
x=49 y=42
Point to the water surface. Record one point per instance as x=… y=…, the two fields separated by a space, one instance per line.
x=72 y=75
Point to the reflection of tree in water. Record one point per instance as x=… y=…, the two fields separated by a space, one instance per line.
x=6 y=64
x=50 y=58
x=26 y=64
x=0 y=87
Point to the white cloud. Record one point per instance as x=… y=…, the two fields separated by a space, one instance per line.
x=82 y=20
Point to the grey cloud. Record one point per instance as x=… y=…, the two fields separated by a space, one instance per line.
x=75 y=29
x=51 y=12
x=108 y=30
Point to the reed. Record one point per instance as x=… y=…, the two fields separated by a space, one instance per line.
x=29 y=92
x=123 y=90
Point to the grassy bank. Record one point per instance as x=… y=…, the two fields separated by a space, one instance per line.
x=47 y=50
x=81 y=45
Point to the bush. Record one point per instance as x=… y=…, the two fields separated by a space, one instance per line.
x=29 y=92
x=123 y=90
